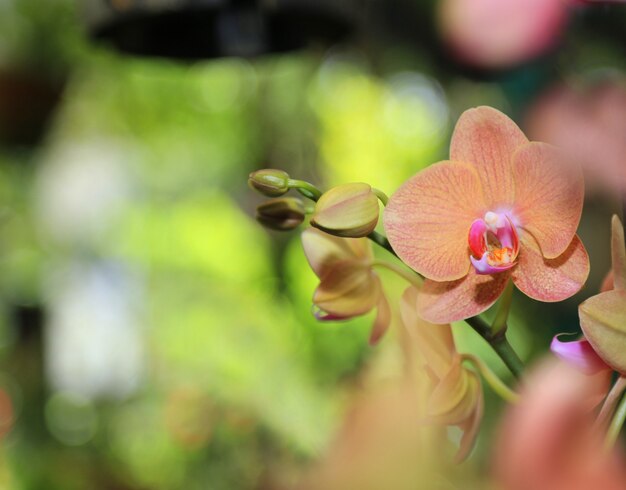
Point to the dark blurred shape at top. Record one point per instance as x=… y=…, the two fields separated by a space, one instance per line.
x=197 y=29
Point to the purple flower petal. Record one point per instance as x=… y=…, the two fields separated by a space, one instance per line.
x=579 y=354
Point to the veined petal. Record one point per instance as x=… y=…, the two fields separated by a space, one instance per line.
x=550 y=280
x=608 y=283
x=434 y=342
x=446 y=302
x=427 y=220
x=347 y=290
x=549 y=195
x=603 y=320
x=487 y=138
x=323 y=250
x=579 y=353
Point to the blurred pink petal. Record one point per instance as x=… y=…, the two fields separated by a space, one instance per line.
x=547 y=441
x=501 y=33
x=579 y=354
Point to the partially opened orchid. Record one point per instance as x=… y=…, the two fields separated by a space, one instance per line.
x=501 y=208
x=348 y=285
x=603 y=317
x=456 y=397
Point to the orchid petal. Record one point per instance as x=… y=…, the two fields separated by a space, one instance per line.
x=487 y=139
x=381 y=323
x=603 y=321
x=323 y=250
x=471 y=426
x=549 y=193
x=476 y=237
x=618 y=253
x=347 y=290
x=579 y=353
x=446 y=302
x=550 y=279
x=608 y=283
x=428 y=218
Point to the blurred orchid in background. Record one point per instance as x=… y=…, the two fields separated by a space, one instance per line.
x=516 y=203
x=348 y=285
x=455 y=396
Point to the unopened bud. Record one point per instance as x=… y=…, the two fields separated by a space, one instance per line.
x=285 y=213
x=269 y=182
x=348 y=210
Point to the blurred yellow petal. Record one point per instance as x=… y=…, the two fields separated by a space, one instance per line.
x=323 y=250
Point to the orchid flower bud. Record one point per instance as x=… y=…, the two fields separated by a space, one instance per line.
x=348 y=210
x=270 y=182
x=283 y=214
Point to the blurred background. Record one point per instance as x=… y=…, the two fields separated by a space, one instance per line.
x=152 y=334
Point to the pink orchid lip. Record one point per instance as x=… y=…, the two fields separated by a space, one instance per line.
x=493 y=242
x=579 y=354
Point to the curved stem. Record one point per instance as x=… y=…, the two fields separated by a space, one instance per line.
x=492 y=379
x=616 y=425
x=608 y=407
x=381 y=196
x=305 y=188
x=382 y=241
x=502 y=316
x=411 y=278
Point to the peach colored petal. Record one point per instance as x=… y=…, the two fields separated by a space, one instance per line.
x=603 y=321
x=454 y=398
x=550 y=280
x=383 y=318
x=446 y=302
x=346 y=290
x=549 y=193
x=607 y=283
x=471 y=426
x=436 y=344
x=427 y=220
x=323 y=250
x=487 y=139
x=618 y=253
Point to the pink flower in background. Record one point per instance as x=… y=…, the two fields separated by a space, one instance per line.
x=548 y=441
x=348 y=286
x=589 y=123
x=501 y=208
x=501 y=33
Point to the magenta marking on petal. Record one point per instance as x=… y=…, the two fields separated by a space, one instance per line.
x=476 y=237
x=483 y=266
x=508 y=235
x=579 y=354
x=323 y=316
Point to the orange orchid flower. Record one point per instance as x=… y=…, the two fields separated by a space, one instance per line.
x=456 y=395
x=501 y=208
x=348 y=285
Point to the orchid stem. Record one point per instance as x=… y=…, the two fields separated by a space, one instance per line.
x=616 y=424
x=381 y=240
x=500 y=321
x=305 y=188
x=610 y=402
x=497 y=385
x=411 y=278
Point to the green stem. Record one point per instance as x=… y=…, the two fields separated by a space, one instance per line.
x=382 y=241
x=502 y=316
x=492 y=380
x=616 y=425
x=305 y=188
x=381 y=196
x=411 y=278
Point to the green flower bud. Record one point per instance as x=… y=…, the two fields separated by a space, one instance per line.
x=269 y=182
x=348 y=210
x=285 y=213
